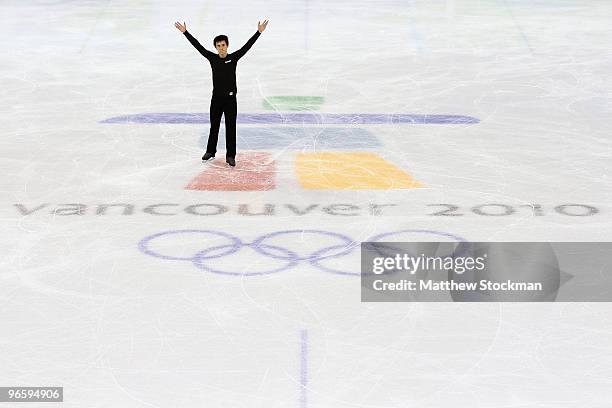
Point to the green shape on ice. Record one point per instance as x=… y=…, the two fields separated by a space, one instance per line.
x=293 y=103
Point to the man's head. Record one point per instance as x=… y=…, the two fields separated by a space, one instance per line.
x=221 y=42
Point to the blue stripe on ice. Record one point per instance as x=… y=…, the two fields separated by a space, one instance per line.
x=298 y=138
x=303 y=368
x=300 y=118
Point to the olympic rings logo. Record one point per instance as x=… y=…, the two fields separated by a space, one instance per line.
x=264 y=246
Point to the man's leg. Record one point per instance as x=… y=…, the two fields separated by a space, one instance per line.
x=216 y=110
x=230 y=110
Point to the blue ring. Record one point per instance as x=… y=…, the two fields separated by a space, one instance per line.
x=257 y=244
x=316 y=262
x=198 y=259
x=377 y=238
x=462 y=248
x=143 y=244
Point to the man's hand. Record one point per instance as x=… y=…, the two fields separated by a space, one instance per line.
x=182 y=27
x=262 y=26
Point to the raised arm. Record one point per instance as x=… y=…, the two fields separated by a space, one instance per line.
x=183 y=29
x=260 y=29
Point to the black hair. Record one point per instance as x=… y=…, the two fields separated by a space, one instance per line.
x=220 y=38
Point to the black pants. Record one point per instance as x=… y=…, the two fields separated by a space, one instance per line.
x=223 y=105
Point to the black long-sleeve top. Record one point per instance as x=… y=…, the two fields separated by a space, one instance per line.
x=223 y=69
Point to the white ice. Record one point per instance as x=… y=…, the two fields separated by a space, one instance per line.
x=81 y=306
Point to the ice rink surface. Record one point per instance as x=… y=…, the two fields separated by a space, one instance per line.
x=134 y=275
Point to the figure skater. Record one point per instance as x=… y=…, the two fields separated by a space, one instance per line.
x=223 y=101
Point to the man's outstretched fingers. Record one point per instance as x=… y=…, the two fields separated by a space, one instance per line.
x=262 y=26
x=182 y=28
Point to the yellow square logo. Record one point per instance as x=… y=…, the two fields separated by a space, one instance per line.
x=350 y=171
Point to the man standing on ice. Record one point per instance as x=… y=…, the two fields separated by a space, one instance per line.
x=223 y=100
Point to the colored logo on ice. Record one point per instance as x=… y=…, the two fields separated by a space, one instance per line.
x=325 y=157
x=314 y=247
